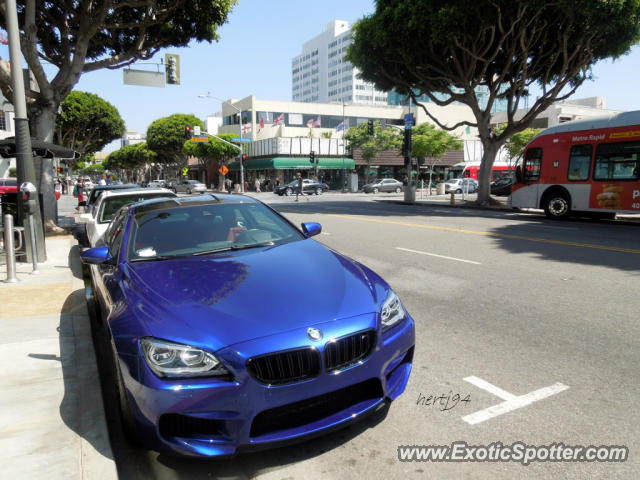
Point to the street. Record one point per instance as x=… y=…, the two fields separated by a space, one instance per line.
x=510 y=308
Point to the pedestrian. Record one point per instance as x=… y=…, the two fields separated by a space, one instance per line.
x=103 y=180
x=246 y=186
x=277 y=182
x=229 y=184
x=256 y=184
x=78 y=192
x=299 y=189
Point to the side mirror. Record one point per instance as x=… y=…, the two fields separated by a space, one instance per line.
x=83 y=218
x=96 y=255
x=311 y=228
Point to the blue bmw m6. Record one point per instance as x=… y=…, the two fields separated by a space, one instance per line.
x=232 y=329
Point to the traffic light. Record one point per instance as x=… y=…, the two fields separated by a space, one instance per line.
x=172 y=69
x=370 y=127
x=59 y=170
x=244 y=160
x=187 y=131
x=312 y=157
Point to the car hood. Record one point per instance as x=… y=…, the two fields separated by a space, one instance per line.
x=222 y=299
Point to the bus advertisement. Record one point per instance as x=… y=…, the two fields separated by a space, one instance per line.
x=582 y=166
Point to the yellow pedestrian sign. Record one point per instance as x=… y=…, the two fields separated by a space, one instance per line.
x=185 y=170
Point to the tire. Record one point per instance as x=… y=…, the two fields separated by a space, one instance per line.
x=288 y=192
x=318 y=191
x=557 y=205
x=398 y=190
x=375 y=190
x=126 y=413
x=189 y=191
x=459 y=190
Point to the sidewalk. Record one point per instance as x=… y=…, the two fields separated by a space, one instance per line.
x=51 y=410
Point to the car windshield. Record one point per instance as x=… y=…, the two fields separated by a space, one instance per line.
x=111 y=205
x=9 y=183
x=206 y=229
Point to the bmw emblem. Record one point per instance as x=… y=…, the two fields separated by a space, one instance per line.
x=314 y=334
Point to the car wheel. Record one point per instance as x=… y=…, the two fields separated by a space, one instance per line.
x=398 y=190
x=318 y=191
x=459 y=190
x=557 y=205
x=375 y=190
x=126 y=413
x=288 y=192
x=188 y=191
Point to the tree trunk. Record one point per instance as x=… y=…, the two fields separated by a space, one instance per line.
x=43 y=125
x=490 y=149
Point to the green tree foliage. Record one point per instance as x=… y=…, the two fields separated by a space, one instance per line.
x=87 y=123
x=130 y=157
x=451 y=47
x=75 y=37
x=165 y=137
x=433 y=143
x=213 y=148
x=517 y=142
x=371 y=145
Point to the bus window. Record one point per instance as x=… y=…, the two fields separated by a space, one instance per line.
x=617 y=161
x=532 y=162
x=579 y=162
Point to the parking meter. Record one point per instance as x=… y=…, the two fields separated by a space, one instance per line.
x=29 y=192
x=30 y=206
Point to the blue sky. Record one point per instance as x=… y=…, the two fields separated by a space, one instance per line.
x=254 y=56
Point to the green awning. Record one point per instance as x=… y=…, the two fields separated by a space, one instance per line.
x=295 y=163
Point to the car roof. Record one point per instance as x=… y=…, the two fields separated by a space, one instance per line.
x=116 y=187
x=177 y=202
x=133 y=191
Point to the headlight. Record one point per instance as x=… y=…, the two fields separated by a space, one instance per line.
x=169 y=359
x=392 y=311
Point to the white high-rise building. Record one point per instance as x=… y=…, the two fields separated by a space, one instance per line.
x=321 y=74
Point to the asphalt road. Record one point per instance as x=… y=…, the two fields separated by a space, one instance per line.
x=510 y=308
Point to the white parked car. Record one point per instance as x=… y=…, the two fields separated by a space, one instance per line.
x=460 y=185
x=189 y=186
x=109 y=203
x=158 y=183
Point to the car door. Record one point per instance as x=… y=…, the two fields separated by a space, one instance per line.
x=104 y=275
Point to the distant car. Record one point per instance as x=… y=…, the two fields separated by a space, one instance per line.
x=308 y=186
x=229 y=327
x=502 y=187
x=189 y=187
x=8 y=185
x=460 y=185
x=159 y=183
x=388 y=185
x=108 y=204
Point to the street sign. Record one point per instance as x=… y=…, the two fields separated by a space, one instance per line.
x=200 y=139
x=238 y=139
x=408 y=121
x=223 y=170
x=185 y=170
x=196 y=130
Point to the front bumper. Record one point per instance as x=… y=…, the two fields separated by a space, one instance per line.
x=216 y=417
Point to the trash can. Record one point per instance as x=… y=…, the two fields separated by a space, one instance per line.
x=440 y=189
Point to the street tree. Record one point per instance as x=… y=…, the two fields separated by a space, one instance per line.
x=446 y=49
x=166 y=137
x=61 y=40
x=87 y=123
x=213 y=148
x=433 y=143
x=370 y=146
x=517 y=142
x=131 y=160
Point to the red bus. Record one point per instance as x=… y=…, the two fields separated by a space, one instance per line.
x=471 y=169
x=582 y=166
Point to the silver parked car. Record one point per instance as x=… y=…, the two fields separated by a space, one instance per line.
x=459 y=185
x=383 y=185
x=189 y=186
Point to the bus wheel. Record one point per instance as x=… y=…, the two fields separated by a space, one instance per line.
x=557 y=206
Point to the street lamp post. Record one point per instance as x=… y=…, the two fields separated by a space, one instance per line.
x=239 y=110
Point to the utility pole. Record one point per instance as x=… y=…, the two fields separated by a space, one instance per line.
x=24 y=157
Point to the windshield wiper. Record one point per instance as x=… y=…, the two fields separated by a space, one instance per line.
x=158 y=257
x=234 y=247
